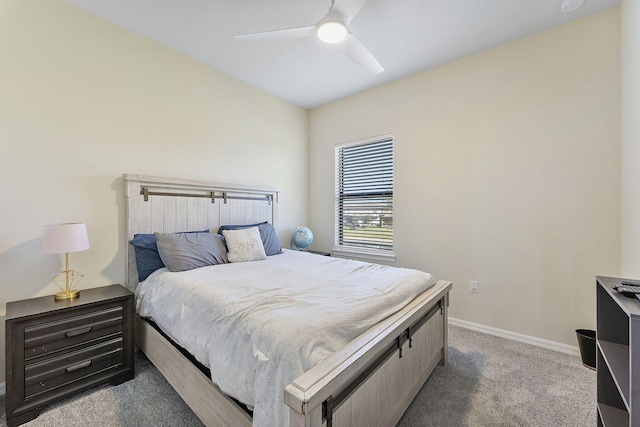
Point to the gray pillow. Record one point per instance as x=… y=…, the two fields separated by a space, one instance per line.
x=181 y=252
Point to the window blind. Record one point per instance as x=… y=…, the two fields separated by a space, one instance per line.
x=364 y=195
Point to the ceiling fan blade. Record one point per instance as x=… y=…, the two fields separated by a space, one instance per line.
x=290 y=33
x=348 y=8
x=360 y=55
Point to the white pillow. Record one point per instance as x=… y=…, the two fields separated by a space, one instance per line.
x=244 y=244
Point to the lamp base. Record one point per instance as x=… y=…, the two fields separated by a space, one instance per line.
x=72 y=293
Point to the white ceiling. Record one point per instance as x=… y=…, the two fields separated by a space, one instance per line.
x=406 y=36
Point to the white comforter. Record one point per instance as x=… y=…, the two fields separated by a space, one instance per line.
x=259 y=325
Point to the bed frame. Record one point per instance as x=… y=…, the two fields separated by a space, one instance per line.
x=371 y=381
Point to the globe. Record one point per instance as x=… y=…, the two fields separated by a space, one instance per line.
x=301 y=238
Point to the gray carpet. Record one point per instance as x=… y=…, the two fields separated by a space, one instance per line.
x=489 y=381
x=492 y=381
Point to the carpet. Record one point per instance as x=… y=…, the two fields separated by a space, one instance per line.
x=492 y=381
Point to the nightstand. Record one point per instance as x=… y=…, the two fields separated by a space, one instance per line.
x=57 y=348
x=320 y=253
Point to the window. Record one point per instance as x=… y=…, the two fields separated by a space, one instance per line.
x=364 y=197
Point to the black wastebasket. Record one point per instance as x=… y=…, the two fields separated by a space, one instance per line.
x=587 y=344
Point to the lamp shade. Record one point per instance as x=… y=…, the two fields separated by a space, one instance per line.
x=65 y=238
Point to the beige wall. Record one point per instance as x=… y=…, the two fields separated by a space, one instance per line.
x=507 y=172
x=83 y=101
x=630 y=65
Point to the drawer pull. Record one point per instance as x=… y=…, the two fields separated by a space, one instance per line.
x=78 y=331
x=78 y=366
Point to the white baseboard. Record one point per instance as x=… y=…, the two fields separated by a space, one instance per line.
x=527 y=339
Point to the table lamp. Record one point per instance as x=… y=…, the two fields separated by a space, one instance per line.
x=63 y=239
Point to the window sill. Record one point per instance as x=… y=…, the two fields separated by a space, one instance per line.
x=363 y=254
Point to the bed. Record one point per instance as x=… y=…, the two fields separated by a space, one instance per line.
x=369 y=379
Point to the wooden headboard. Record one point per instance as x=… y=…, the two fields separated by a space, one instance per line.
x=167 y=205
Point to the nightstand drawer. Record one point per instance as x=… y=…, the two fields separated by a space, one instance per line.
x=63 y=369
x=68 y=332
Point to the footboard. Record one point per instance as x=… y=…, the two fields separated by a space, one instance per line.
x=373 y=380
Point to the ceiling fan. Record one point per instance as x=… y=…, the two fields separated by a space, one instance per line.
x=333 y=28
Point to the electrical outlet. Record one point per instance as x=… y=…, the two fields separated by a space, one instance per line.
x=473 y=286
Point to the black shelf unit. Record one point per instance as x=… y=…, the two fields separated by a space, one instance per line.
x=617 y=364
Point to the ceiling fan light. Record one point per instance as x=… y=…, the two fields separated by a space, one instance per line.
x=332 y=32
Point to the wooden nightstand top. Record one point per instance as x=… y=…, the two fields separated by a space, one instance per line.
x=47 y=304
x=323 y=253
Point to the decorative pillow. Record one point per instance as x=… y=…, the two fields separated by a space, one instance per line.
x=147 y=257
x=186 y=251
x=244 y=244
x=268 y=235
